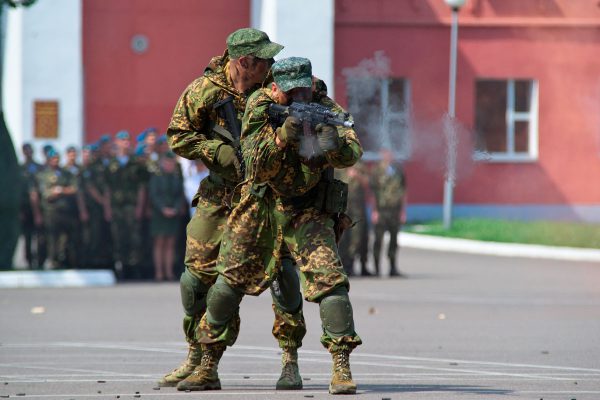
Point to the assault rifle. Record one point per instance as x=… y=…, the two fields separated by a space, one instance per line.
x=226 y=109
x=313 y=113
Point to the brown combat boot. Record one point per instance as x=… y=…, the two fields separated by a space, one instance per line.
x=341 y=379
x=290 y=378
x=205 y=376
x=184 y=370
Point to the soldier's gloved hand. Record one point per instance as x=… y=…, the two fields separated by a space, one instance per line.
x=290 y=130
x=227 y=160
x=328 y=138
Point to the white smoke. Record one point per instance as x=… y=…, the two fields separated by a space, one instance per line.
x=380 y=113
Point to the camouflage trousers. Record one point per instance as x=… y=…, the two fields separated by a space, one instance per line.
x=95 y=237
x=355 y=242
x=126 y=235
x=257 y=230
x=204 y=239
x=61 y=236
x=388 y=221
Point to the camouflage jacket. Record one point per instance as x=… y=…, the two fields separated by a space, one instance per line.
x=388 y=184
x=285 y=170
x=125 y=180
x=92 y=175
x=190 y=133
x=47 y=180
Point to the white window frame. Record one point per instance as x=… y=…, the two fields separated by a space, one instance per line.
x=386 y=117
x=513 y=116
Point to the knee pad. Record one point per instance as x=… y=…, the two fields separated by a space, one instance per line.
x=193 y=294
x=336 y=313
x=222 y=302
x=285 y=289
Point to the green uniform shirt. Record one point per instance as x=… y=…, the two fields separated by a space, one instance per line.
x=47 y=180
x=125 y=180
x=388 y=184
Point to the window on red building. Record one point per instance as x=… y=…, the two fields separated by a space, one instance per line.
x=380 y=107
x=506 y=115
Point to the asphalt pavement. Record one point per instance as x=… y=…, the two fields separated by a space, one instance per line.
x=461 y=326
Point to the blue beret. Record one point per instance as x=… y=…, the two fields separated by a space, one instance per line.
x=123 y=135
x=90 y=147
x=140 y=150
x=142 y=136
x=104 y=138
x=52 y=153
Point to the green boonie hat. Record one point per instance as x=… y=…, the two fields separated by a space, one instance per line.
x=248 y=41
x=292 y=72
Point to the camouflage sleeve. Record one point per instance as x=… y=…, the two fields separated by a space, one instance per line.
x=262 y=157
x=350 y=151
x=190 y=122
x=44 y=187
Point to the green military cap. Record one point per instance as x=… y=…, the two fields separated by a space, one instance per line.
x=292 y=72
x=248 y=41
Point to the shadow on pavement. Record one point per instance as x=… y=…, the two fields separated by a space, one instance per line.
x=433 y=388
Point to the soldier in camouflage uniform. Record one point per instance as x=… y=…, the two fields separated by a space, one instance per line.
x=124 y=177
x=71 y=165
x=199 y=130
x=92 y=204
x=286 y=199
x=356 y=240
x=33 y=234
x=389 y=186
x=57 y=188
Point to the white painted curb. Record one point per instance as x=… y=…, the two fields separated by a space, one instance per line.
x=66 y=278
x=419 y=241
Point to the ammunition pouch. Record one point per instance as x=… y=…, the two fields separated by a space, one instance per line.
x=336 y=197
x=213 y=189
x=328 y=197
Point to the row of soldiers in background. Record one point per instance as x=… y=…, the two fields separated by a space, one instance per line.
x=113 y=211
x=377 y=198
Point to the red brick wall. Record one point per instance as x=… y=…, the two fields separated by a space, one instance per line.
x=124 y=90
x=556 y=42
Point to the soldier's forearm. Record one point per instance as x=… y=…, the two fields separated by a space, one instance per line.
x=346 y=156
